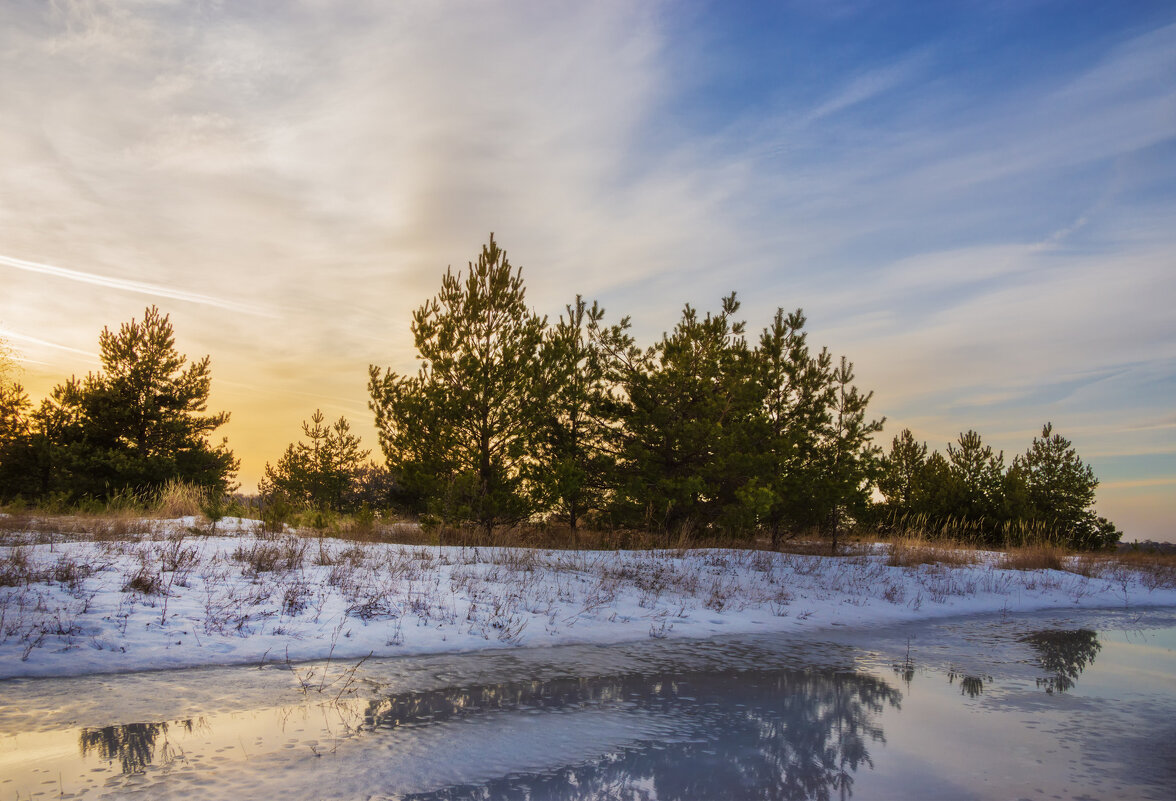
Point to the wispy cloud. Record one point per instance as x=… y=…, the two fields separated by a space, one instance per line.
x=868 y=86
x=127 y=285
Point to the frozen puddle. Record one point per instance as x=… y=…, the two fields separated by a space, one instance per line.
x=1067 y=705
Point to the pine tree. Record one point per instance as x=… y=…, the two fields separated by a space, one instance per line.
x=976 y=473
x=901 y=473
x=573 y=463
x=689 y=401
x=321 y=472
x=459 y=433
x=14 y=402
x=1061 y=490
x=15 y=429
x=797 y=393
x=136 y=424
x=935 y=497
x=849 y=458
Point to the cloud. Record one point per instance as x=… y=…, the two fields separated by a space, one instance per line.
x=868 y=86
x=125 y=285
x=323 y=163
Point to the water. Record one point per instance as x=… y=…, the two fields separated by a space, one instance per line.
x=1058 y=705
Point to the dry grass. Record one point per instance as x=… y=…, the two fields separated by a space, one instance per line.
x=550 y=579
x=1156 y=569
x=1014 y=533
x=1149 y=559
x=179 y=499
x=269 y=556
x=1035 y=557
x=24 y=528
x=912 y=551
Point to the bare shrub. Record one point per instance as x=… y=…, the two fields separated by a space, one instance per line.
x=70 y=573
x=17 y=569
x=145 y=581
x=268 y=556
x=295 y=598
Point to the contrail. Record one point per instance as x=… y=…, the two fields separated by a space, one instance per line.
x=133 y=286
x=12 y=335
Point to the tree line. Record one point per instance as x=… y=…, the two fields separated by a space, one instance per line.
x=1046 y=491
x=510 y=417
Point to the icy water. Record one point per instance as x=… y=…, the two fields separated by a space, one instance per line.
x=1060 y=705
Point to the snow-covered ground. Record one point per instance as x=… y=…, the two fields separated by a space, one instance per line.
x=183 y=598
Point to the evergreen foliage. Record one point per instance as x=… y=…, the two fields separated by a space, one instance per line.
x=1046 y=493
x=689 y=402
x=459 y=433
x=1060 y=489
x=848 y=458
x=975 y=473
x=902 y=477
x=797 y=393
x=133 y=426
x=509 y=419
x=323 y=472
x=573 y=463
x=14 y=402
x=14 y=427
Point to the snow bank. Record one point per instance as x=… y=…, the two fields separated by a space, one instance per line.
x=184 y=598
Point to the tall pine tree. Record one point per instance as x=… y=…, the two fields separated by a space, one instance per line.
x=797 y=394
x=847 y=454
x=689 y=402
x=900 y=479
x=976 y=476
x=459 y=433
x=1061 y=490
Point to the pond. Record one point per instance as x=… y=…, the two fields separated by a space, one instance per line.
x=1061 y=705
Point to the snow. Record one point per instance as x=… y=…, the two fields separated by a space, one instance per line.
x=180 y=596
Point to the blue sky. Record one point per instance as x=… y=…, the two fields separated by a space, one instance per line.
x=973 y=201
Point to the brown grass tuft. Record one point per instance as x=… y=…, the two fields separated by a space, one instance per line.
x=179 y=499
x=913 y=551
x=1034 y=557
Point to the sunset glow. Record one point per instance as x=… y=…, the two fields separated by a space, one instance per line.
x=973 y=202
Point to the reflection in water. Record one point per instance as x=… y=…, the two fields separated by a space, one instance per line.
x=765 y=735
x=132 y=744
x=1061 y=654
x=1064 y=655
x=725 y=719
x=971 y=686
x=780 y=734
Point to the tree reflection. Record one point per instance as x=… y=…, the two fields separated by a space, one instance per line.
x=133 y=745
x=971 y=686
x=787 y=735
x=1063 y=655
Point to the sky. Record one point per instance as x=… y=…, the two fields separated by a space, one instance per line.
x=975 y=202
